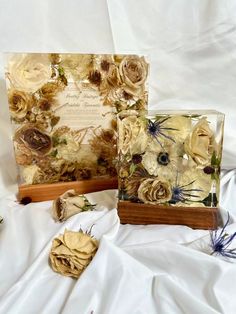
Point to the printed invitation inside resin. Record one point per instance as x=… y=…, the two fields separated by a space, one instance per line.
x=63 y=110
x=170 y=158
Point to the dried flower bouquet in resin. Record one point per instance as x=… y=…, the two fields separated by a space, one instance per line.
x=170 y=158
x=63 y=110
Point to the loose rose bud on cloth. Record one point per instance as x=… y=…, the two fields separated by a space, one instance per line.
x=72 y=252
x=68 y=204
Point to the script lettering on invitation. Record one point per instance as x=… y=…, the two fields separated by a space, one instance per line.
x=81 y=107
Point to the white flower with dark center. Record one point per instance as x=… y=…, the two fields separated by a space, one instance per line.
x=162 y=161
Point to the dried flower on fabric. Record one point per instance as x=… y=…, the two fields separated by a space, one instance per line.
x=68 y=204
x=72 y=252
x=221 y=242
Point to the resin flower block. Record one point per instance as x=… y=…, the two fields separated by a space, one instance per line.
x=169 y=167
x=63 y=111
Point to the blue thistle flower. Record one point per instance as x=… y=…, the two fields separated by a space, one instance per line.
x=156 y=130
x=220 y=241
x=182 y=193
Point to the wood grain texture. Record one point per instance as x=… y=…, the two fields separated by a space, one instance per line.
x=194 y=217
x=45 y=192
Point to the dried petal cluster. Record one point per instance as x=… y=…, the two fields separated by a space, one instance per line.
x=72 y=252
x=68 y=204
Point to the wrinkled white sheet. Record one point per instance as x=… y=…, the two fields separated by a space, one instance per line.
x=137 y=269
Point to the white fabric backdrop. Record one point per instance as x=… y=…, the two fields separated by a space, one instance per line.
x=138 y=269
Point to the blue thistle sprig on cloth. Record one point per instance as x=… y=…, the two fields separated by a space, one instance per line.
x=221 y=240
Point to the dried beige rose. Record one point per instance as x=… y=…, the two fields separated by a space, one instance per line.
x=154 y=191
x=72 y=252
x=68 y=204
x=19 y=103
x=133 y=72
x=29 y=72
x=133 y=138
x=33 y=138
x=200 y=143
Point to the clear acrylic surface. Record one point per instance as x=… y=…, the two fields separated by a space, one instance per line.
x=170 y=157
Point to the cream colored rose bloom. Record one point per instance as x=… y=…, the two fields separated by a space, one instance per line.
x=133 y=72
x=68 y=204
x=29 y=72
x=133 y=138
x=182 y=126
x=154 y=191
x=19 y=103
x=200 y=143
x=72 y=252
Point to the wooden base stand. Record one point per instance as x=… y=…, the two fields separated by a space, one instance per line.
x=194 y=217
x=45 y=192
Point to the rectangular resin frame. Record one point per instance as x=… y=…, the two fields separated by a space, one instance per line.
x=63 y=110
x=170 y=159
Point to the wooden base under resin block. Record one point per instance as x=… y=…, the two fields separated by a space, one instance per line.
x=194 y=217
x=45 y=192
